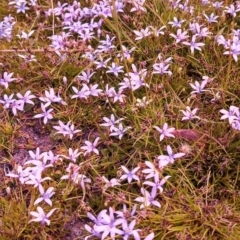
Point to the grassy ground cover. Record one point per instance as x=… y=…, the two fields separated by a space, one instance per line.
x=119 y=119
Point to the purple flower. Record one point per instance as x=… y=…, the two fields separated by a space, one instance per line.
x=148 y=198
x=119 y=131
x=152 y=171
x=26 y=98
x=128 y=230
x=21 y=174
x=176 y=23
x=165 y=131
x=41 y=216
x=180 y=36
x=171 y=157
x=115 y=69
x=45 y=196
x=6 y=79
x=90 y=147
x=111 y=122
x=231 y=114
x=143 y=33
x=193 y=44
x=157 y=184
x=189 y=114
x=198 y=88
x=46 y=114
x=129 y=175
x=109 y=225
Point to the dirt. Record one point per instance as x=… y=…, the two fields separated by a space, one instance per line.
x=30 y=137
x=76 y=230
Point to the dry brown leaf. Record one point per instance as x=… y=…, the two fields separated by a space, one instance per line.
x=188 y=134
